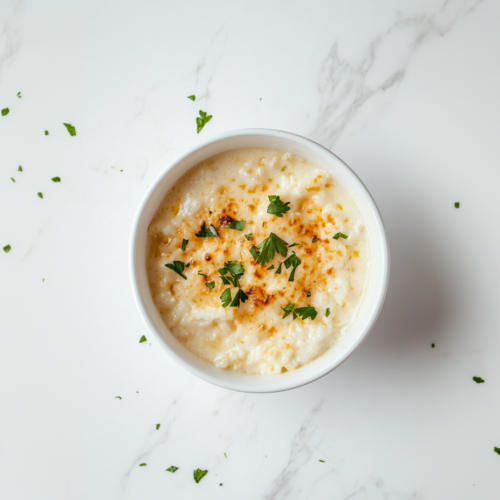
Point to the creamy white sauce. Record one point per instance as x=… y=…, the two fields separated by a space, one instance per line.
x=254 y=338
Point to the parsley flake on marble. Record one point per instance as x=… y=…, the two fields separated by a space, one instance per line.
x=202 y=120
x=70 y=128
x=12 y=179
x=340 y=235
x=172 y=469
x=5 y=111
x=322 y=461
x=46 y=132
x=118 y=397
x=478 y=380
x=457 y=204
x=239 y=296
x=239 y=225
x=270 y=246
x=496 y=450
x=277 y=207
x=20 y=169
x=199 y=474
x=225 y=298
x=142 y=339
x=142 y=465
x=184 y=245
x=157 y=426
x=177 y=267
x=192 y=97
x=7 y=248
x=207 y=232
x=210 y=285
x=40 y=195
x=327 y=312
x=19 y=95
x=248 y=236
x=56 y=179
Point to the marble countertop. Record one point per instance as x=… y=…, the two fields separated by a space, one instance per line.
x=407 y=93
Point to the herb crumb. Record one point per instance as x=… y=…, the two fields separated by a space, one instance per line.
x=19 y=95
x=70 y=128
x=46 y=132
x=40 y=195
x=202 y=120
x=118 y=397
x=199 y=474
x=496 y=450
x=56 y=179
x=12 y=179
x=142 y=339
x=433 y=345
x=142 y=465
x=478 y=380
x=322 y=461
x=7 y=248
x=172 y=468
x=157 y=426
x=457 y=204
x=5 y=111
x=20 y=169
x=192 y=97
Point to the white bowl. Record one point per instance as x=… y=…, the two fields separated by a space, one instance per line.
x=375 y=293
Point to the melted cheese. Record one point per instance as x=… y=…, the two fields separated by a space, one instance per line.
x=254 y=338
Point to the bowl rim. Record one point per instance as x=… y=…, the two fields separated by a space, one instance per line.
x=235 y=383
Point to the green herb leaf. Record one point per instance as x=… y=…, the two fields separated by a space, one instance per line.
x=188 y=264
x=177 y=267
x=7 y=248
x=118 y=397
x=433 y=345
x=142 y=339
x=202 y=120
x=306 y=312
x=20 y=169
x=211 y=284
x=315 y=239
x=288 y=309
x=207 y=232
x=248 y=236
x=340 y=235
x=142 y=465
x=277 y=207
x=19 y=95
x=327 y=312
x=478 y=380
x=184 y=245
x=239 y=225
x=269 y=268
x=231 y=272
x=46 y=132
x=240 y=296
x=496 y=450
x=201 y=274
x=5 y=111
x=172 y=468
x=322 y=461
x=225 y=298
x=270 y=246
x=210 y=212
x=255 y=253
x=70 y=128
x=225 y=455
x=457 y=204
x=198 y=474
x=192 y=97
x=308 y=293
x=157 y=426
x=293 y=245
x=278 y=271
x=56 y=179
x=293 y=261
x=40 y=195
x=12 y=179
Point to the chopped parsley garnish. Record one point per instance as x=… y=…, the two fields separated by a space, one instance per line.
x=306 y=312
x=278 y=271
x=293 y=261
x=225 y=455
x=277 y=207
x=19 y=95
x=192 y=97
x=40 y=195
x=7 y=248
x=226 y=297
x=322 y=461
x=188 y=264
x=142 y=465
x=248 y=236
x=56 y=179
x=211 y=284
x=70 y=128
x=231 y=272
x=184 y=245
x=5 y=111
x=157 y=426
x=46 y=132
x=207 y=232
x=288 y=309
x=210 y=212
x=118 y=397
x=433 y=345
x=202 y=120
x=198 y=474
x=308 y=293
x=12 y=179
x=20 y=169
x=240 y=296
x=270 y=246
x=457 y=204
x=239 y=225
x=315 y=239
x=255 y=253
x=340 y=235
x=177 y=267
x=327 y=312
x=478 y=380
x=142 y=339
x=201 y=274
x=269 y=268
x=293 y=245
x=496 y=450
x=172 y=468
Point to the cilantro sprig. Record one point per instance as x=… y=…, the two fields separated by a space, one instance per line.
x=277 y=207
x=207 y=232
x=177 y=267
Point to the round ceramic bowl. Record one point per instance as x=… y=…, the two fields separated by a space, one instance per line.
x=374 y=295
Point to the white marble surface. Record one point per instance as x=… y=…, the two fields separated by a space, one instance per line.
x=407 y=93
